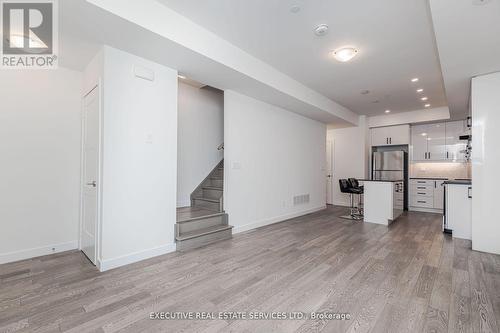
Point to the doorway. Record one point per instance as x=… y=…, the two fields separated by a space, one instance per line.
x=90 y=174
x=330 y=153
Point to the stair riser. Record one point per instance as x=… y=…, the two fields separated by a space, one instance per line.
x=201 y=224
x=216 y=183
x=194 y=243
x=212 y=194
x=214 y=206
x=218 y=174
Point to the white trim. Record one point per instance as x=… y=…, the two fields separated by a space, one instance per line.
x=276 y=219
x=183 y=203
x=131 y=258
x=37 y=252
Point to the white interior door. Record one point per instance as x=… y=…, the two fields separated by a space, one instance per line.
x=329 y=172
x=90 y=174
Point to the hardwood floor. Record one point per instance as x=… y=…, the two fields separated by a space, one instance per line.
x=405 y=278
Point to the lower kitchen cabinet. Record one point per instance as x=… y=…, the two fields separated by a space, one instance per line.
x=426 y=195
x=458 y=215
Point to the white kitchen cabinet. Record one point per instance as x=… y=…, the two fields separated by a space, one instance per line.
x=380 y=136
x=426 y=195
x=459 y=210
x=455 y=148
x=390 y=135
x=436 y=143
x=419 y=142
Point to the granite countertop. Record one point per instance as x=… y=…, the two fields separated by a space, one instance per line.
x=458 y=182
x=382 y=181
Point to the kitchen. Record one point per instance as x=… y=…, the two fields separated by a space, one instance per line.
x=424 y=168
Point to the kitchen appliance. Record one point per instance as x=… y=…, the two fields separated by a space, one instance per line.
x=392 y=166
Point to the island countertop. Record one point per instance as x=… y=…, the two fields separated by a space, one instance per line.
x=382 y=181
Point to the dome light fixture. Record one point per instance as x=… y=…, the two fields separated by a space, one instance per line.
x=345 y=54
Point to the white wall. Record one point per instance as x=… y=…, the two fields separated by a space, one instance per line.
x=351 y=156
x=139 y=160
x=485 y=163
x=271 y=155
x=40 y=135
x=200 y=132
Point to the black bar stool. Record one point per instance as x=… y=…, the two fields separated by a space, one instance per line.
x=352 y=188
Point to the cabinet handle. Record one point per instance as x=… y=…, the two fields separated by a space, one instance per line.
x=420 y=188
x=447 y=154
x=386 y=141
x=429 y=155
x=422 y=201
x=420 y=193
x=435 y=184
x=469 y=194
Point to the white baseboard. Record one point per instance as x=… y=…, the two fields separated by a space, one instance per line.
x=37 y=252
x=273 y=220
x=107 y=264
x=185 y=203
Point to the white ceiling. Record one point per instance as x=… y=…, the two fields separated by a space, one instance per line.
x=152 y=31
x=395 y=39
x=468 y=39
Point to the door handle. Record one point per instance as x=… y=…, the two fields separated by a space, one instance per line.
x=92 y=183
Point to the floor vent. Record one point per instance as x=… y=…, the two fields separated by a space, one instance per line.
x=300 y=199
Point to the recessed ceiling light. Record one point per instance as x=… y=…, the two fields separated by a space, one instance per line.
x=180 y=76
x=427 y=105
x=420 y=90
x=345 y=54
x=321 y=30
x=414 y=79
x=387 y=111
x=295 y=9
x=424 y=98
x=424 y=134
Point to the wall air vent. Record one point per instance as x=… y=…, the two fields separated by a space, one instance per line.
x=301 y=199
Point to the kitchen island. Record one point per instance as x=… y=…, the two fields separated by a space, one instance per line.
x=383 y=200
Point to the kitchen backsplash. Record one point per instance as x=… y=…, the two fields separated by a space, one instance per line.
x=441 y=170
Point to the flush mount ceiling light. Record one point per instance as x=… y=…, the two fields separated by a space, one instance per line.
x=387 y=111
x=321 y=30
x=424 y=98
x=344 y=54
x=420 y=90
x=427 y=105
x=414 y=80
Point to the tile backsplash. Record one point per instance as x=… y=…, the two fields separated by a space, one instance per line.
x=441 y=170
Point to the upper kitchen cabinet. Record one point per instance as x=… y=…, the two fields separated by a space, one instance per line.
x=438 y=142
x=455 y=148
x=419 y=142
x=391 y=135
x=428 y=142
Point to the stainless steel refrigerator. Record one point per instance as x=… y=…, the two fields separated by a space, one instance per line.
x=391 y=165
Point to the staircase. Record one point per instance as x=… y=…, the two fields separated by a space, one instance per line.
x=205 y=221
